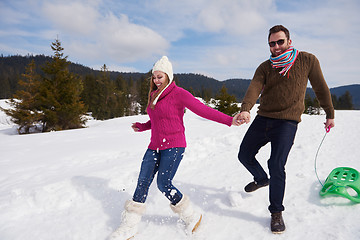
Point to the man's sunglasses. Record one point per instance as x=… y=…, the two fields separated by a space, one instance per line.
x=278 y=42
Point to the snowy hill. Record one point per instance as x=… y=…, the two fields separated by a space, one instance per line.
x=72 y=185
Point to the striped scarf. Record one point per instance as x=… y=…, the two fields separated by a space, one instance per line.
x=285 y=60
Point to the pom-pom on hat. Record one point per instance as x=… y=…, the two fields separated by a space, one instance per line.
x=165 y=66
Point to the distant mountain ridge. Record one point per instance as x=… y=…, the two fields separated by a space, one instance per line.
x=12 y=67
x=238 y=87
x=354 y=91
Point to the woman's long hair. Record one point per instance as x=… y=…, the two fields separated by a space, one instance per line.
x=154 y=91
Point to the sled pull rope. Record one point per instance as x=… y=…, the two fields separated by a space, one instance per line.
x=317 y=152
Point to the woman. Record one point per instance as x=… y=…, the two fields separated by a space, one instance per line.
x=166 y=105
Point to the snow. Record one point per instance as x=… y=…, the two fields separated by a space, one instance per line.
x=73 y=184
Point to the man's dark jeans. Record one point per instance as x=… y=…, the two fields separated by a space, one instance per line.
x=280 y=133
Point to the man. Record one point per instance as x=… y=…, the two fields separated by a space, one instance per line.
x=282 y=82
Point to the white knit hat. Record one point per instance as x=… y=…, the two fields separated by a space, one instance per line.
x=165 y=66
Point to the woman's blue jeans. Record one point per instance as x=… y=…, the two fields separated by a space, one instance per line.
x=280 y=133
x=165 y=163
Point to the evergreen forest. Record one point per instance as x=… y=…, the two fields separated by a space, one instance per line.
x=52 y=93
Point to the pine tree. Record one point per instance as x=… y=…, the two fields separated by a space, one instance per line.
x=24 y=111
x=115 y=100
x=102 y=109
x=5 y=90
x=59 y=94
x=132 y=98
x=226 y=103
x=122 y=91
x=191 y=90
x=90 y=93
x=335 y=101
x=308 y=103
x=345 y=101
x=317 y=107
x=206 y=94
x=105 y=98
x=144 y=92
x=312 y=107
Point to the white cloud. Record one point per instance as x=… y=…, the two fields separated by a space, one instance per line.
x=218 y=38
x=129 y=40
x=92 y=35
x=234 y=17
x=75 y=18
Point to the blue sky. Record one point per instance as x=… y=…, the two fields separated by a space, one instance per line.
x=221 y=39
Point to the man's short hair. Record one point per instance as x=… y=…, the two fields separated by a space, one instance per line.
x=279 y=28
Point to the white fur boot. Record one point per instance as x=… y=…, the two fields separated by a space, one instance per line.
x=187 y=214
x=131 y=218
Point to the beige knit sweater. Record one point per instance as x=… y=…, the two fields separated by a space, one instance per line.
x=282 y=97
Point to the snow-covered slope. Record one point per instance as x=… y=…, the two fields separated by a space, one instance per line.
x=73 y=184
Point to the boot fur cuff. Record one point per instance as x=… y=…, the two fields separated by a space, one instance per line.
x=136 y=207
x=180 y=206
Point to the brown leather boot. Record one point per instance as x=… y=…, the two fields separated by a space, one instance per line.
x=277 y=223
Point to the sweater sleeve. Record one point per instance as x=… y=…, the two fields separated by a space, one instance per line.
x=254 y=90
x=202 y=110
x=143 y=126
x=320 y=88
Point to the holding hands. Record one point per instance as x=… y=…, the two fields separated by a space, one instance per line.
x=241 y=118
